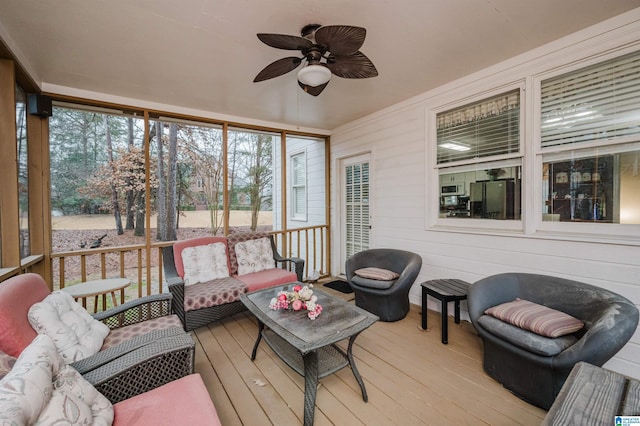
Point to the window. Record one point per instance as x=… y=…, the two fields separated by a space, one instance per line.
x=590 y=133
x=299 y=186
x=478 y=159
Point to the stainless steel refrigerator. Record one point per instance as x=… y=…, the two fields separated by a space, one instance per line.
x=492 y=199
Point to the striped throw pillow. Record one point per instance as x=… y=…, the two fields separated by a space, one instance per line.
x=536 y=318
x=376 y=274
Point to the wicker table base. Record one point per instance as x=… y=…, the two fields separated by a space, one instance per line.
x=309 y=346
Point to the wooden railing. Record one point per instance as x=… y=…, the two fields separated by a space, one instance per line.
x=310 y=243
x=144 y=266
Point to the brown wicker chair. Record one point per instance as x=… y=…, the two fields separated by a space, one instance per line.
x=136 y=361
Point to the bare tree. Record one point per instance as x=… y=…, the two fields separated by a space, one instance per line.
x=161 y=199
x=172 y=205
x=114 y=192
x=130 y=196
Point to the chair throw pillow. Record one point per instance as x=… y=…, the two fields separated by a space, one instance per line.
x=41 y=389
x=536 y=318
x=254 y=256
x=376 y=274
x=75 y=333
x=204 y=263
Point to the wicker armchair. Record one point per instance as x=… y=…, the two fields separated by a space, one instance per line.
x=146 y=347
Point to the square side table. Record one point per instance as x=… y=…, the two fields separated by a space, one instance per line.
x=445 y=290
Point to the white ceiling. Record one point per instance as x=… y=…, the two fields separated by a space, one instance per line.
x=204 y=54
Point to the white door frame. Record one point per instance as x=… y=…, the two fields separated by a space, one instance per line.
x=340 y=230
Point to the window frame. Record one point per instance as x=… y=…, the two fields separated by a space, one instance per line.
x=581 y=231
x=294 y=187
x=434 y=221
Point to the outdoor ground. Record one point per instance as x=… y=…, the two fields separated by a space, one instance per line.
x=71 y=232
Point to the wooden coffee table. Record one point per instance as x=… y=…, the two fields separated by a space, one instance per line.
x=309 y=346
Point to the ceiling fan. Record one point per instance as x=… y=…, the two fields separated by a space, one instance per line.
x=332 y=49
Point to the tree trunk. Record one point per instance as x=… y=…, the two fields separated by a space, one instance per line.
x=129 y=224
x=172 y=187
x=140 y=215
x=114 y=191
x=161 y=200
x=256 y=184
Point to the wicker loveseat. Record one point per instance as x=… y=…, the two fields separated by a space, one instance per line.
x=204 y=302
x=535 y=367
x=145 y=348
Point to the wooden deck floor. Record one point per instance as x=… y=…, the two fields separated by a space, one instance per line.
x=411 y=379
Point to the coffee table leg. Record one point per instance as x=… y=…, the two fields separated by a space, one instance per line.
x=310 y=386
x=255 y=346
x=356 y=373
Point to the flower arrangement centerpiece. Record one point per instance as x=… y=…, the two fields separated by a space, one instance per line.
x=300 y=297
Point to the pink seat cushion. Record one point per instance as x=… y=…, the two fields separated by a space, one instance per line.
x=267 y=278
x=122 y=334
x=185 y=401
x=17 y=294
x=194 y=242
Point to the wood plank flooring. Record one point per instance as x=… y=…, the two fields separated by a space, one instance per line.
x=410 y=376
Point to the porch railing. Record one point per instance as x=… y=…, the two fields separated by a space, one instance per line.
x=144 y=267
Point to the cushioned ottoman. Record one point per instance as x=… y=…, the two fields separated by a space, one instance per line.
x=184 y=401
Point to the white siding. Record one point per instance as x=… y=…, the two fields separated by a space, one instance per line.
x=314 y=150
x=404 y=183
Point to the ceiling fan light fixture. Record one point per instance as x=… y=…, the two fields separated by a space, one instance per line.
x=314 y=75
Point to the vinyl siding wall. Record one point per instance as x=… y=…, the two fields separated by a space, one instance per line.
x=404 y=187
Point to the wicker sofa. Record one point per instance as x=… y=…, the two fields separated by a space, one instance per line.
x=204 y=302
x=146 y=346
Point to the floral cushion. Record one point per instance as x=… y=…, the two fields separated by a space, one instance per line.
x=41 y=389
x=6 y=364
x=380 y=274
x=536 y=318
x=238 y=237
x=75 y=333
x=254 y=256
x=204 y=263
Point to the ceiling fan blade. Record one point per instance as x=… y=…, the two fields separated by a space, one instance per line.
x=283 y=41
x=313 y=91
x=277 y=68
x=353 y=66
x=341 y=39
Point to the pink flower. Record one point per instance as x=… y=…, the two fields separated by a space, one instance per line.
x=297 y=305
x=297 y=288
x=282 y=296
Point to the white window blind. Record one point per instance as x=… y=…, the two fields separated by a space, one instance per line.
x=299 y=185
x=594 y=103
x=480 y=129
